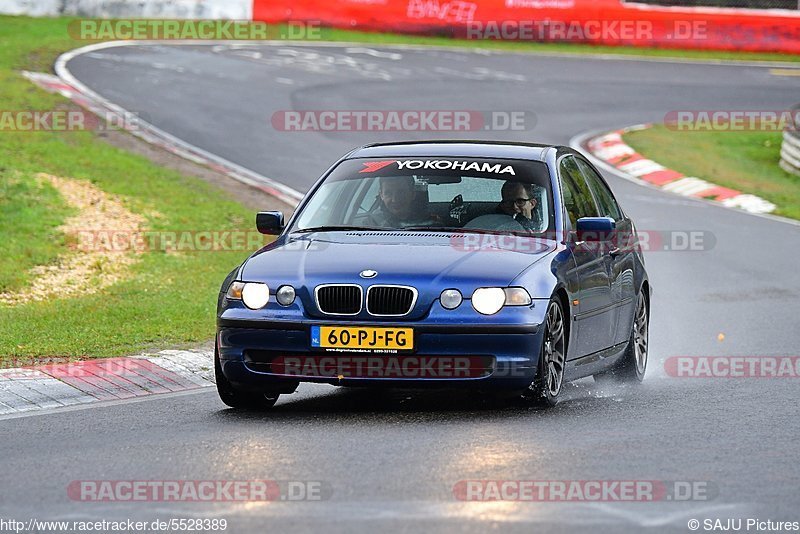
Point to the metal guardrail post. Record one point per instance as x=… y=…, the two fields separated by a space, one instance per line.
x=790 y=147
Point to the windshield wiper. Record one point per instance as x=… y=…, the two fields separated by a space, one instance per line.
x=457 y=230
x=340 y=228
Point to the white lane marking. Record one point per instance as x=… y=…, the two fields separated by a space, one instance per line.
x=61 y=392
x=199 y=364
x=103 y=404
x=252 y=54
x=613 y=151
x=374 y=53
x=177 y=366
x=480 y=73
x=18 y=395
x=750 y=203
x=688 y=186
x=641 y=167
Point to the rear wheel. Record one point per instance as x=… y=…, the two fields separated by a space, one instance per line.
x=633 y=364
x=549 y=379
x=235 y=397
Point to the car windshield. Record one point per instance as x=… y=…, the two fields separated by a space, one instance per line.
x=443 y=194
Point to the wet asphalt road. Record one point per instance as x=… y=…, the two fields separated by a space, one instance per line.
x=390 y=460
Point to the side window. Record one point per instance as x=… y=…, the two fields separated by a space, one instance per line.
x=577 y=199
x=607 y=204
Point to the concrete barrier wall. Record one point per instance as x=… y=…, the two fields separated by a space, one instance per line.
x=172 y=9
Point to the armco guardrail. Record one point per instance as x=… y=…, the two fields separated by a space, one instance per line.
x=790 y=148
x=599 y=22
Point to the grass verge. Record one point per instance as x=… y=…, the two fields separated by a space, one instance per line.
x=169 y=298
x=746 y=161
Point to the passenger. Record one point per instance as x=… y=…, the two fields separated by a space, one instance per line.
x=398 y=204
x=519 y=203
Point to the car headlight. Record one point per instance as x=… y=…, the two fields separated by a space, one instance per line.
x=285 y=295
x=517 y=296
x=255 y=295
x=488 y=300
x=450 y=299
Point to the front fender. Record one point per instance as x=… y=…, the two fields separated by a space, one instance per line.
x=553 y=272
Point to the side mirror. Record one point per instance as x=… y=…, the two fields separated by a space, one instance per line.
x=595 y=228
x=269 y=222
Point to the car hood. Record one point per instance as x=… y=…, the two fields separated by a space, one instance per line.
x=430 y=262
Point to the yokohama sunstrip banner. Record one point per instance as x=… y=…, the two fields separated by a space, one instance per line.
x=602 y=22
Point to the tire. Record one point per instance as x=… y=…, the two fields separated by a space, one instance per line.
x=236 y=398
x=549 y=379
x=632 y=366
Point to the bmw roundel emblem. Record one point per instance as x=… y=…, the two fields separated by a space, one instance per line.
x=368 y=273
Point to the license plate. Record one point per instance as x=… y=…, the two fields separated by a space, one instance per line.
x=363 y=339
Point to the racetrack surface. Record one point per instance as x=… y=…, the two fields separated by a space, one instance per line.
x=391 y=459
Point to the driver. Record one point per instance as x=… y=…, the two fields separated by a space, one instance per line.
x=519 y=203
x=398 y=206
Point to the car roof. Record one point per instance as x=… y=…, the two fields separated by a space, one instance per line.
x=455 y=148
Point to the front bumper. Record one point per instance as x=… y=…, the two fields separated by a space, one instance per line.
x=502 y=354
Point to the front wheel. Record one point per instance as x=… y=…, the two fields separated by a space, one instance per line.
x=633 y=364
x=235 y=397
x=549 y=379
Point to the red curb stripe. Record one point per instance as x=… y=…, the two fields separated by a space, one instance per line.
x=717 y=193
x=628 y=158
x=118 y=378
x=80 y=375
x=155 y=383
x=662 y=177
x=124 y=373
x=178 y=382
x=119 y=385
x=91 y=386
x=620 y=160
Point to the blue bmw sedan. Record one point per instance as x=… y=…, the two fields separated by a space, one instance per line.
x=502 y=267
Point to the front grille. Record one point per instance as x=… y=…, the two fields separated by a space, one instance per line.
x=390 y=300
x=339 y=299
